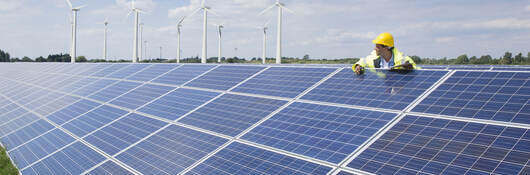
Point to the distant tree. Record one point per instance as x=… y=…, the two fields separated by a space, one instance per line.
x=485 y=59
x=81 y=59
x=40 y=59
x=416 y=59
x=462 y=59
x=507 y=58
x=306 y=57
x=4 y=56
x=527 y=58
x=518 y=59
x=473 y=60
x=26 y=59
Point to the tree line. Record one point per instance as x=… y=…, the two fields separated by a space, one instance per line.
x=507 y=59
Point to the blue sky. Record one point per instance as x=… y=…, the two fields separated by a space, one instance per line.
x=321 y=28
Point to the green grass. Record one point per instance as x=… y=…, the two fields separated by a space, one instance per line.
x=6 y=168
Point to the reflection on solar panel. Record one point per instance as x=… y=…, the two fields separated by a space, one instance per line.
x=324 y=132
x=231 y=114
x=224 y=77
x=239 y=158
x=439 y=146
x=170 y=151
x=273 y=81
x=263 y=119
x=384 y=90
x=500 y=96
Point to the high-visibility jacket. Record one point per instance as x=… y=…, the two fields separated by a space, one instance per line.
x=373 y=61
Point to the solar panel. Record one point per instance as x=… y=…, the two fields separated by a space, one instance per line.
x=234 y=119
x=225 y=77
x=385 y=89
x=499 y=96
x=140 y=96
x=439 y=146
x=109 y=168
x=238 y=158
x=231 y=114
x=40 y=147
x=93 y=120
x=124 y=132
x=323 y=132
x=170 y=151
x=177 y=103
x=183 y=74
x=74 y=159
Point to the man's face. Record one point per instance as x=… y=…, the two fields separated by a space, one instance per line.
x=379 y=48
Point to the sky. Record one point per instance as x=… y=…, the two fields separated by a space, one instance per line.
x=329 y=29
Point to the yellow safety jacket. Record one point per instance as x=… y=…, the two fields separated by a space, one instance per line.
x=373 y=61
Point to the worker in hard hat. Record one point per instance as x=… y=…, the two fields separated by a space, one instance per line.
x=385 y=56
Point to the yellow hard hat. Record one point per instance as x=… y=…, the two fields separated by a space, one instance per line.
x=385 y=39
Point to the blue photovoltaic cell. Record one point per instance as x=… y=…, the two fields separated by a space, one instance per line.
x=78 y=84
x=141 y=96
x=499 y=96
x=183 y=74
x=66 y=114
x=344 y=173
x=170 y=151
x=17 y=118
x=56 y=104
x=152 y=72
x=128 y=71
x=384 y=89
x=26 y=134
x=109 y=70
x=40 y=147
x=469 y=68
x=114 y=91
x=323 y=132
x=93 y=69
x=178 y=103
x=93 y=120
x=284 y=81
x=124 y=132
x=109 y=168
x=232 y=114
x=225 y=77
x=238 y=158
x=512 y=68
x=440 y=146
x=74 y=159
x=93 y=87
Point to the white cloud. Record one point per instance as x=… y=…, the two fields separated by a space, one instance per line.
x=7 y=5
x=445 y=39
x=339 y=35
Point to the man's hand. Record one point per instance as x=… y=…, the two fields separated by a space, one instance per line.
x=405 y=65
x=359 y=70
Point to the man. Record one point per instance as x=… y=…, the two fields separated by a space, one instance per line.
x=385 y=56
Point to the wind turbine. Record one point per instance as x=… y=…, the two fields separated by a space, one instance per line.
x=219 y=28
x=264 y=56
x=179 y=25
x=205 y=9
x=106 y=23
x=73 y=49
x=280 y=6
x=136 y=12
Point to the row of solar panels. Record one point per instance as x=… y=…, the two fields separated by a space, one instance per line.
x=222 y=119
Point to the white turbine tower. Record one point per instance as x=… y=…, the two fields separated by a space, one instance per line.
x=179 y=25
x=219 y=29
x=140 y=50
x=106 y=23
x=73 y=49
x=136 y=12
x=280 y=6
x=264 y=56
x=205 y=9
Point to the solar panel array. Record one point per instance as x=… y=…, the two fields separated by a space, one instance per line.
x=252 y=119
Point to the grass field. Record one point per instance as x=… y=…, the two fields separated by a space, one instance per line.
x=6 y=168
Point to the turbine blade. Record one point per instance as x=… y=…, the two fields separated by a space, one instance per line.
x=69 y=4
x=132 y=4
x=202 y=3
x=81 y=7
x=267 y=23
x=288 y=10
x=267 y=9
x=212 y=11
x=193 y=13
x=181 y=19
x=141 y=11
x=106 y=19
